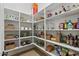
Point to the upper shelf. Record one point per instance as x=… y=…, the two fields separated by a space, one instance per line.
x=63 y=15
x=16 y=16
x=66 y=14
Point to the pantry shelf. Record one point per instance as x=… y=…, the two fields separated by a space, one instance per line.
x=62 y=30
x=60 y=44
x=25 y=30
x=12 y=20
x=12 y=30
x=11 y=39
x=25 y=21
x=44 y=50
x=25 y=37
x=39 y=38
x=64 y=45
x=42 y=20
x=17 y=48
x=65 y=14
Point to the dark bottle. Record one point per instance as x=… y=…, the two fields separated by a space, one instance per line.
x=71 y=39
x=68 y=39
x=78 y=24
x=64 y=9
x=78 y=40
x=4 y=53
x=75 y=41
x=65 y=39
x=61 y=37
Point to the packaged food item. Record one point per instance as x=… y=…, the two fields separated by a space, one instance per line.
x=58 y=36
x=61 y=26
x=58 y=50
x=53 y=38
x=10 y=46
x=48 y=36
x=75 y=24
x=50 y=48
x=9 y=36
x=49 y=13
x=9 y=26
x=71 y=53
x=64 y=51
x=22 y=28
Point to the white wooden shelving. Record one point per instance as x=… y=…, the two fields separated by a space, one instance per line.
x=25 y=37
x=11 y=39
x=65 y=14
x=10 y=14
x=62 y=30
x=51 y=54
x=18 y=47
x=59 y=44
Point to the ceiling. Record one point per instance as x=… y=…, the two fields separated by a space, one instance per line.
x=24 y=7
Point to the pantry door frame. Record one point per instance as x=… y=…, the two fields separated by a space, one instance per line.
x=1 y=28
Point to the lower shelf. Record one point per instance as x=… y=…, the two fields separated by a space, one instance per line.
x=30 y=45
x=60 y=44
x=18 y=47
x=44 y=50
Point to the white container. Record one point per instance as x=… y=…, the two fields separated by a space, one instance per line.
x=26 y=28
x=22 y=28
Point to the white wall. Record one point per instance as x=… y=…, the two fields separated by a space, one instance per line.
x=1 y=29
x=24 y=7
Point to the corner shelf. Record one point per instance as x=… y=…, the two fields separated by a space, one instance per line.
x=44 y=50
x=60 y=44
x=65 y=14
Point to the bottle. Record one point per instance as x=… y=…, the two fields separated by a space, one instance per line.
x=61 y=26
x=65 y=39
x=64 y=9
x=68 y=39
x=70 y=26
x=74 y=24
x=78 y=40
x=75 y=41
x=78 y=23
x=71 y=39
x=65 y=25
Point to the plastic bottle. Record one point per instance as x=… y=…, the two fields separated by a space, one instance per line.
x=70 y=26
x=65 y=25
